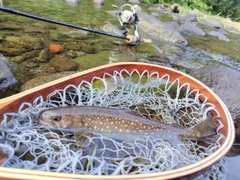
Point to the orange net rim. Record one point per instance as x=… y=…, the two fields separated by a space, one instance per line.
x=12 y=103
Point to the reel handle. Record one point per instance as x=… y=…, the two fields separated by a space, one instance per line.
x=133 y=39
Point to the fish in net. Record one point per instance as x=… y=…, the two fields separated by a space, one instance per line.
x=32 y=146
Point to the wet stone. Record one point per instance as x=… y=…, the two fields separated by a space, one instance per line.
x=219 y=35
x=74 y=54
x=61 y=63
x=214 y=23
x=11 y=77
x=190 y=17
x=6 y=77
x=73 y=46
x=27 y=42
x=191 y=28
x=17 y=59
x=224 y=82
x=11 y=51
x=88 y=49
x=39 y=80
x=30 y=65
x=25 y=56
x=10 y=26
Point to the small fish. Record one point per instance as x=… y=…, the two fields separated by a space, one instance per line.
x=121 y=124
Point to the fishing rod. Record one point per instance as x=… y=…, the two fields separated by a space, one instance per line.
x=13 y=11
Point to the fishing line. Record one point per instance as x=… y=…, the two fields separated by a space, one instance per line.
x=92 y=30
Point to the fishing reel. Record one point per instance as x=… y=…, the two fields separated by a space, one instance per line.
x=127 y=17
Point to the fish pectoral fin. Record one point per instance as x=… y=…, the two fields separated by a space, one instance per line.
x=206 y=128
x=81 y=137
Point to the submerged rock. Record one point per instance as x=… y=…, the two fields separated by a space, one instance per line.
x=12 y=51
x=56 y=48
x=190 y=17
x=74 y=54
x=219 y=35
x=37 y=81
x=61 y=63
x=174 y=25
x=42 y=57
x=27 y=42
x=110 y=28
x=11 y=77
x=214 y=23
x=160 y=30
x=10 y=26
x=224 y=82
x=28 y=55
x=191 y=28
x=91 y=60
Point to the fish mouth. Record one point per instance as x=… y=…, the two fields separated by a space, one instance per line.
x=46 y=124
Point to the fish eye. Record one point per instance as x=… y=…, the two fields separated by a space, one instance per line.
x=56 y=118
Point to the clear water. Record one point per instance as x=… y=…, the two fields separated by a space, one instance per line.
x=201 y=51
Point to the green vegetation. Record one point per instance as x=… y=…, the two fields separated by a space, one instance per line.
x=225 y=8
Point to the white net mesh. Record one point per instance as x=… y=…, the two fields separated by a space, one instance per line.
x=32 y=146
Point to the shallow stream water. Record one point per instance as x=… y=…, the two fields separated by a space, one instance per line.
x=201 y=51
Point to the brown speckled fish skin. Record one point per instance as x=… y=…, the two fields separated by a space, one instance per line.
x=117 y=123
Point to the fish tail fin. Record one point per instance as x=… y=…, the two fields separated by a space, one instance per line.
x=206 y=128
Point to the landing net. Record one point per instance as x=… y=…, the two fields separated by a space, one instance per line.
x=31 y=146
